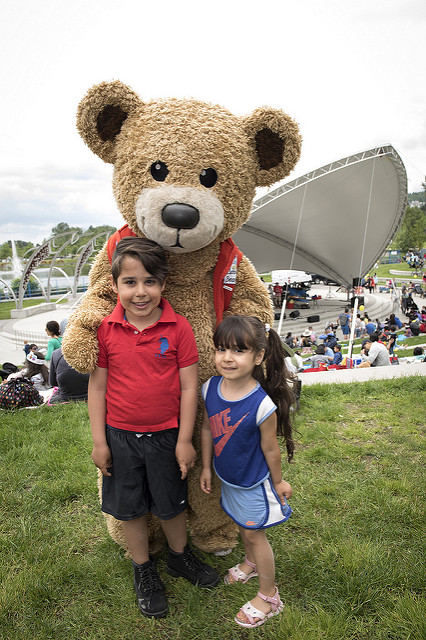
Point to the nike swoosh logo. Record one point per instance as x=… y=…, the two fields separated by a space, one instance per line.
x=222 y=442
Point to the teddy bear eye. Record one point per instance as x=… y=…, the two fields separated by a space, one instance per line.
x=208 y=178
x=159 y=171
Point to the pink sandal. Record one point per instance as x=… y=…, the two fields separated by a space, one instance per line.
x=251 y=612
x=238 y=575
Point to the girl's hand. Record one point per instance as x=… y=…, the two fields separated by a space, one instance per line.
x=185 y=456
x=283 y=490
x=101 y=456
x=206 y=480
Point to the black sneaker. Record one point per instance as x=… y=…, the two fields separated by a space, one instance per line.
x=149 y=589
x=190 y=565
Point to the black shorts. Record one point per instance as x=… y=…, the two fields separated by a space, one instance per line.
x=145 y=476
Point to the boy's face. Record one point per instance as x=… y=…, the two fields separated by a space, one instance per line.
x=139 y=292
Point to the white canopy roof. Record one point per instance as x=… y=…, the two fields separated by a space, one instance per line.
x=335 y=221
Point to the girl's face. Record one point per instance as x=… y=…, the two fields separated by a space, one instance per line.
x=235 y=363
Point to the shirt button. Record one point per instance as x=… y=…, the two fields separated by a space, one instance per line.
x=136 y=332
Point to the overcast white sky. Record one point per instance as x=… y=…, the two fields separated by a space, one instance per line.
x=351 y=72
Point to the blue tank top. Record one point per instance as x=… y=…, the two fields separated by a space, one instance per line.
x=238 y=457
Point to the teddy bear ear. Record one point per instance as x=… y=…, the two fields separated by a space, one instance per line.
x=101 y=115
x=275 y=140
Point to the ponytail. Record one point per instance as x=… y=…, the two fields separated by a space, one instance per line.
x=274 y=377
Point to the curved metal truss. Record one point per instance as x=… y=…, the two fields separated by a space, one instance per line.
x=56 y=246
x=377 y=152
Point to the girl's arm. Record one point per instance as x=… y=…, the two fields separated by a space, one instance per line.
x=206 y=454
x=101 y=454
x=50 y=349
x=272 y=453
x=185 y=452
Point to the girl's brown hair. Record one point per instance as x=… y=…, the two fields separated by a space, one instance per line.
x=32 y=369
x=248 y=332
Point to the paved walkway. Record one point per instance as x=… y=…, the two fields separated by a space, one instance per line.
x=329 y=307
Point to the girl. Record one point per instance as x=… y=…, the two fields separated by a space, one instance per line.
x=241 y=421
x=53 y=331
x=35 y=370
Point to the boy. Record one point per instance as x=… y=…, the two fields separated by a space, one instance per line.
x=142 y=406
x=337 y=358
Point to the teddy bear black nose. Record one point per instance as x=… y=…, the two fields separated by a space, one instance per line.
x=180 y=216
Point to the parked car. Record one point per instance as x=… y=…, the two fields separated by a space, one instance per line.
x=319 y=279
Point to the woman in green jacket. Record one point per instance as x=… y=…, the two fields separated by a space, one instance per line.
x=52 y=330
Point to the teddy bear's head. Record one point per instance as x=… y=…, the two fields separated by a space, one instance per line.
x=185 y=172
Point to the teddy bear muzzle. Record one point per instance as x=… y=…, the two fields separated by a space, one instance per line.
x=179 y=218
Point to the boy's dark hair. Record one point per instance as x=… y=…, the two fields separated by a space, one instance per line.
x=149 y=253
x=320 y=350
x=338 y=346
x=417 y=351
x=374 y=337
x=248 y=332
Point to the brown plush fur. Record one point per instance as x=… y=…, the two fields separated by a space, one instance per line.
x=188 y=136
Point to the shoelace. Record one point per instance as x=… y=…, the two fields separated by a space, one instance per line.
x=193 y=560
x=149 y=580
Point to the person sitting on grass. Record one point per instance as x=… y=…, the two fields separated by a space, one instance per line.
x=142 y=404
x=67 y=383
x=29 y=347
x=418 y=354
x=320 y=356
x=55 y=339
x=392 y=338
x=244 y=407
x=374 y=353
x=35 y=370
x=337 y=359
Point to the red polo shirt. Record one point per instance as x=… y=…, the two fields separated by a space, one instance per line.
x=143 y=388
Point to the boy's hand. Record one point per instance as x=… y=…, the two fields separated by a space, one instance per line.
x=102 y=458
x=206 y=480
x=185 y=456
x=283 y=490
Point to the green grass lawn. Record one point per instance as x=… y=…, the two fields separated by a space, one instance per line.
x=349 y=562
x=384 y=271
x=8 y=305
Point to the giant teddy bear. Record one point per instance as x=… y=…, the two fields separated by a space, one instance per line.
x=185 y=174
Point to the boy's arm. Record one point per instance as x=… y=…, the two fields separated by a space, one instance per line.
x=185 y=452
x=272 y=453
x=101 y=454
x=206 y=454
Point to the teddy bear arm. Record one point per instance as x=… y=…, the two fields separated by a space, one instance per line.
x=80 y=344
x=250 y=296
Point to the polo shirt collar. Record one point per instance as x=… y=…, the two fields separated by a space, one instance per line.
x=168 y=314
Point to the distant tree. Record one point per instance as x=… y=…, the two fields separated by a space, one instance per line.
x=5 y=251
x=412 y=233
x=22 y=246
x=32 y=285
x=60 y=228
